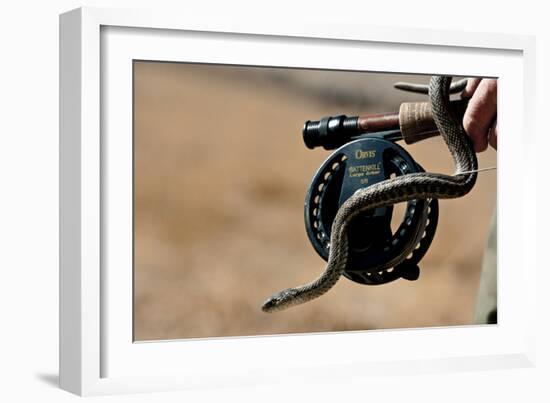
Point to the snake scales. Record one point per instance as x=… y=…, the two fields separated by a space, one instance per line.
x=422 y=185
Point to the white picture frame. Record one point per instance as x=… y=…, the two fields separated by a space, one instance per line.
x=97 y=352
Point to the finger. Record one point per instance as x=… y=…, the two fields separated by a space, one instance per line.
x=480 y=113
x=470 y=87
x=493 y=134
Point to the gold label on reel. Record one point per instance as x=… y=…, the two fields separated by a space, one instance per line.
x=364 y=170
x=360 y=154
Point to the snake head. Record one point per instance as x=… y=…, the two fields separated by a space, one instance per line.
x=279 y=301
x=270 y=304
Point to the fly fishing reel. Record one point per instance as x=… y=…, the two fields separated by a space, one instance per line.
x=363 y=157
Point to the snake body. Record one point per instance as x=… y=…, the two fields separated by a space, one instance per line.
x=422 y=185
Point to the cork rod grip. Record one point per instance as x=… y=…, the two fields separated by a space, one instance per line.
x=416 y=121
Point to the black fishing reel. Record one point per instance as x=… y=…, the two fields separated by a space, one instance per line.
x=377 y=254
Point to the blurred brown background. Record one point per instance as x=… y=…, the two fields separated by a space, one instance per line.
x=220 y=179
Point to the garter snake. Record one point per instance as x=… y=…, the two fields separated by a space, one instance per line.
x=421 y=185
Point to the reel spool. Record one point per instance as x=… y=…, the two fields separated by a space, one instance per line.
x=377 y=255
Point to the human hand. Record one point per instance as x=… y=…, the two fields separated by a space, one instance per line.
x=480 y=118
